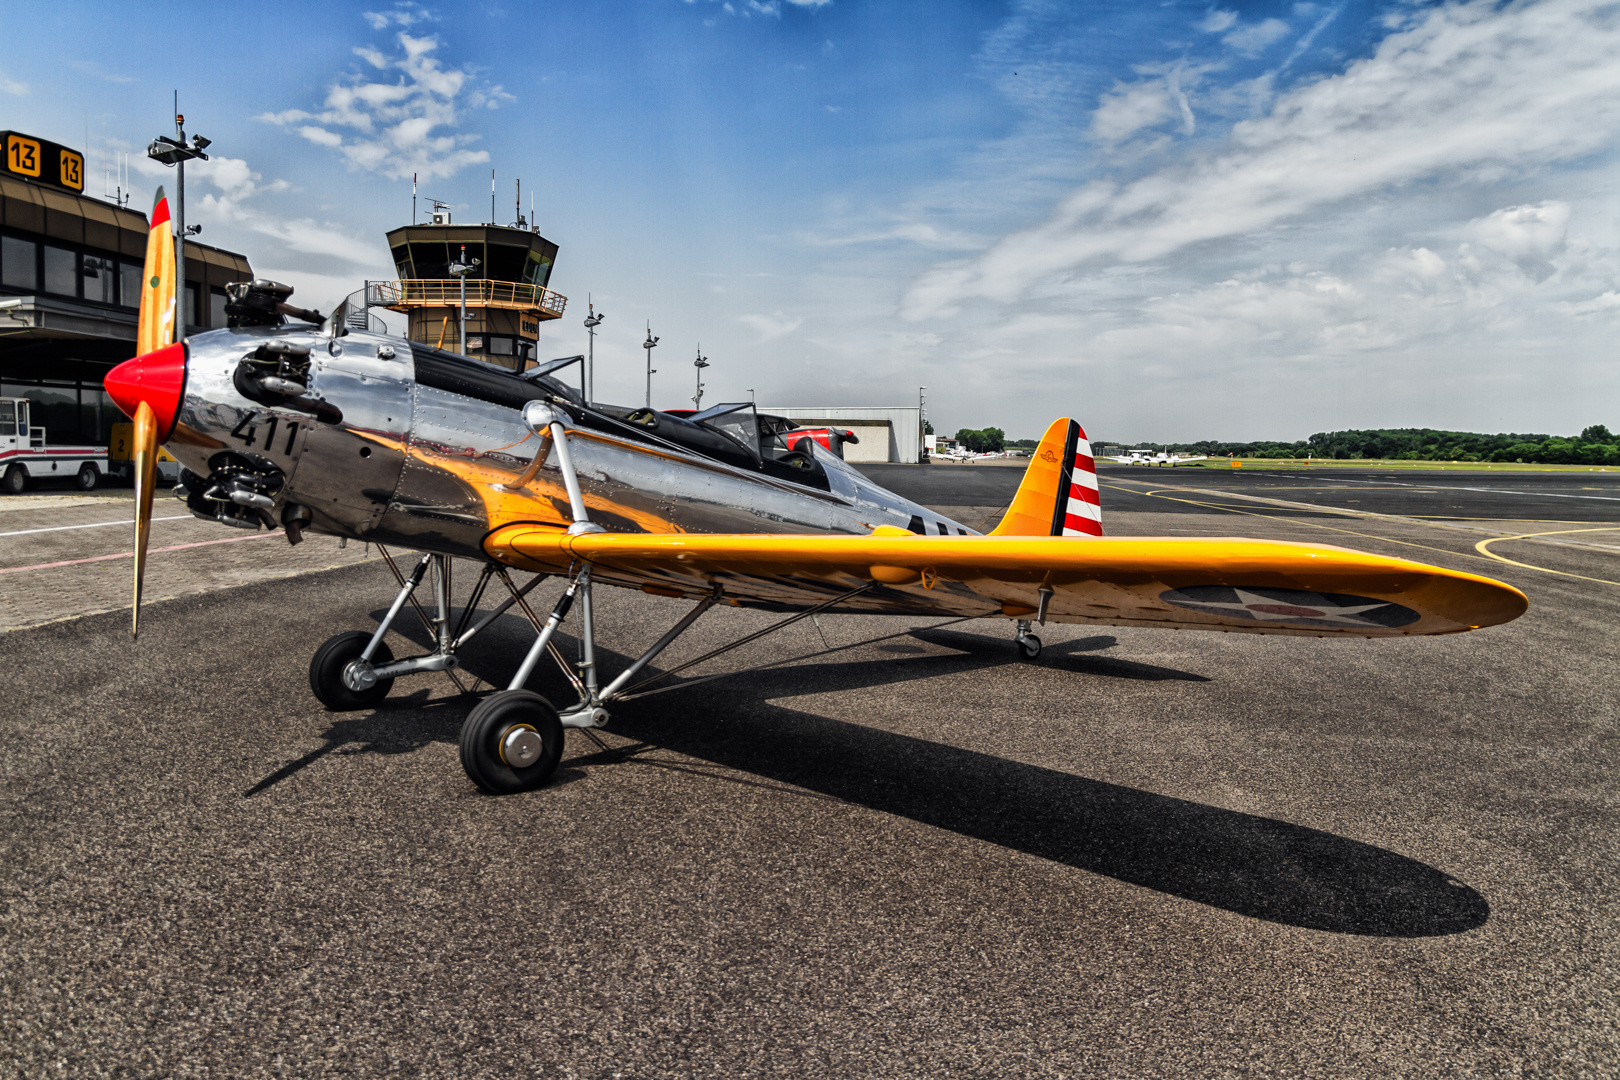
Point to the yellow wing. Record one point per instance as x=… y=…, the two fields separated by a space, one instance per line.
x=1248 y=586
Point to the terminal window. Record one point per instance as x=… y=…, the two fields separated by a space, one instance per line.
x=100 y=280
x=61 y=271
x=129 y=289
x=17 y=267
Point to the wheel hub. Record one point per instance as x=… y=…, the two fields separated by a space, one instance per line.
x=521 y=746
x=359 y=676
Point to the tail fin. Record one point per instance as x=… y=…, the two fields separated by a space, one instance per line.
x=1058 y=496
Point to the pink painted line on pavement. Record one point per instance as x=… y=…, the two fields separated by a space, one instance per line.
x=131 y=554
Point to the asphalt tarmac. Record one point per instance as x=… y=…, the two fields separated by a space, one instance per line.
x=1146 y=854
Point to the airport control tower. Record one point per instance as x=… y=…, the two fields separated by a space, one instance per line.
x=506 y=294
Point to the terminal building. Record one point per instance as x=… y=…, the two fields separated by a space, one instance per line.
x=70 y=273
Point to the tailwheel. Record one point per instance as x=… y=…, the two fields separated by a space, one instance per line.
x=512 y=741
x=327 y=667
x=1029 y=646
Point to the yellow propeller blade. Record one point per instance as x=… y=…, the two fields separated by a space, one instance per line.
x=144 y=457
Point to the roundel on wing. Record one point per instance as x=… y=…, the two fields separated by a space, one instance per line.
x=1290 y=607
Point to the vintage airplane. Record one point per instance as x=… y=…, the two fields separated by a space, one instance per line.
x=290 y=421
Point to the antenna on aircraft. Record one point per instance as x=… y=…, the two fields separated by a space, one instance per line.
x=650 y=344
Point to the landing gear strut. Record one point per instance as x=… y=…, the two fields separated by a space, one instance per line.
x=513 y=740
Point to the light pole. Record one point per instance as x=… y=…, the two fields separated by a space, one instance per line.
x=177 y=151
x=461 y=268
x=650 y=344
x=592 y=321
x=700 y=363
x=922 y=440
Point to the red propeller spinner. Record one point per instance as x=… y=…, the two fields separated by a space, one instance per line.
x=158 y=378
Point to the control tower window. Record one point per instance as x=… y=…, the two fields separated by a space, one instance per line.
x=537 y=269
x=17 y=267
x=506 y=262
x=430 y=260
x=402 y=262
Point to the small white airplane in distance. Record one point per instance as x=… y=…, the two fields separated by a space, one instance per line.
x=1150 y=457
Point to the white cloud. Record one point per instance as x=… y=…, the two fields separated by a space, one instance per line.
x=1132 y=107
x=228 y=201
x=13 y=87
x=1257 y=38
x=402 y=127
x=1217 y=21
x=1528 y=235
x=770 y=327
x=1470 y=93
x=320 y=136
x=919 y=233
x=1127 y=109
x=402 y=14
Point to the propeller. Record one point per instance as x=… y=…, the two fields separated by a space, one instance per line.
x=145 y=461
x=149 y=388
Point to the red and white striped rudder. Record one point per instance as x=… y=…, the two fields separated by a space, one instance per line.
x=1079 y=506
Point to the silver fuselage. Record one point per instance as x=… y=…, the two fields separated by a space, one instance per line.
x=418 y=467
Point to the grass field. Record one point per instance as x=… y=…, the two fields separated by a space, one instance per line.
x=1347 y=463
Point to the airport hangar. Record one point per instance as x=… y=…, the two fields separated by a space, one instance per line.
x=885 y=434
x=70 y=274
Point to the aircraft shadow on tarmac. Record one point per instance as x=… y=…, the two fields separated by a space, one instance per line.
x=1250 y=865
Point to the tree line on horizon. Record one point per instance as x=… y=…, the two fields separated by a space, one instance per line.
x=1593 y=446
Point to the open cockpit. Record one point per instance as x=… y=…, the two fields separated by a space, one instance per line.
x=733 y=433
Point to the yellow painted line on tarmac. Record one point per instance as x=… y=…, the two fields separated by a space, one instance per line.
x=1315 y=524
x=1483 y=547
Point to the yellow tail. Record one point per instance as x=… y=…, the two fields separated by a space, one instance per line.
x=1058 y=496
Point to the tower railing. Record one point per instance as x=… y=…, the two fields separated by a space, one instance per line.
x=481 y=292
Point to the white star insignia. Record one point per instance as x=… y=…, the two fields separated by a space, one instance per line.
x=1265 y=609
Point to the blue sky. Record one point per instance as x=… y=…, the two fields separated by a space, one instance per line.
x=1172 y=221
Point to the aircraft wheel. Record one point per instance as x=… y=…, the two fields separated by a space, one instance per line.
x=326 y=672
x=512 y=741
x=1029 y=647
x=15 y=481
x=89 y=477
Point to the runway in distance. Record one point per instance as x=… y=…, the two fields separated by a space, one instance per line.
x=287 y=420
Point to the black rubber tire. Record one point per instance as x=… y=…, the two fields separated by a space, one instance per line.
x=488 y=724
x=326 y=672
x=1029 y=647
x=15 y=482
x=89 y=476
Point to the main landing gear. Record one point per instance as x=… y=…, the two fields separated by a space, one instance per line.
x=513 y=739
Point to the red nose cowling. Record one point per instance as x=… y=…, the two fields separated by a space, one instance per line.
x=158 y=378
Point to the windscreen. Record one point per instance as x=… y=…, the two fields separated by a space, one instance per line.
x=741 y=423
